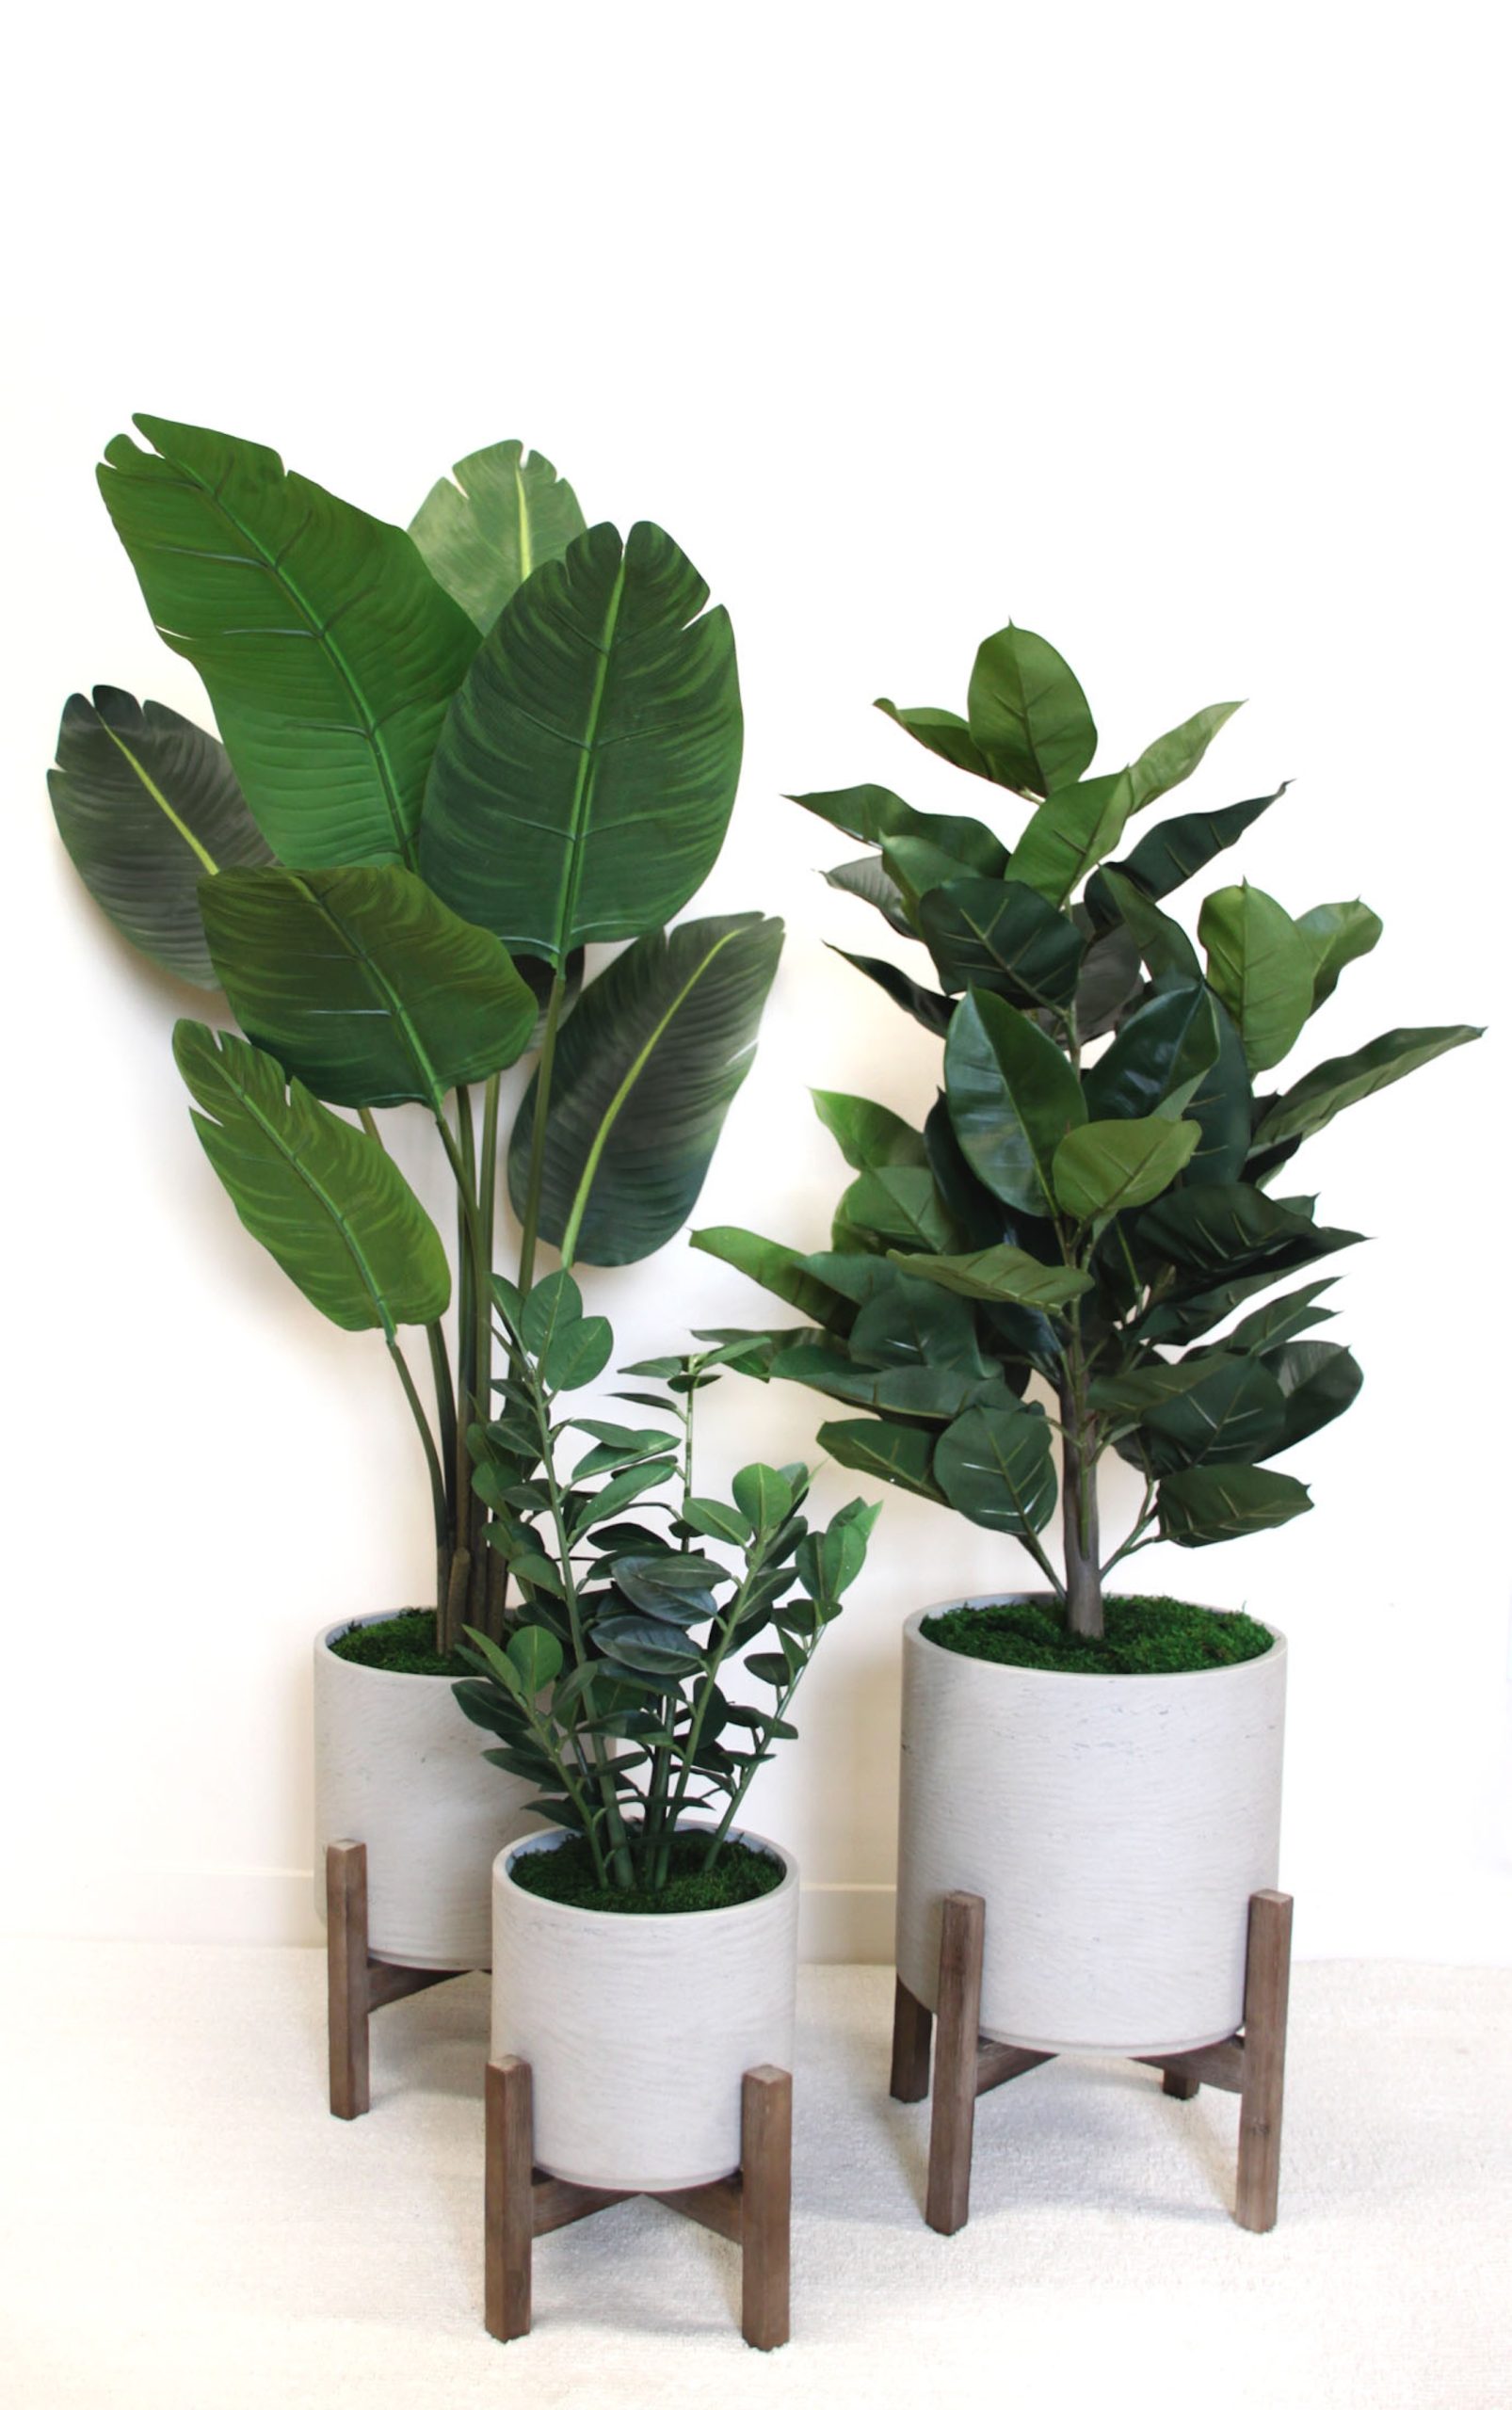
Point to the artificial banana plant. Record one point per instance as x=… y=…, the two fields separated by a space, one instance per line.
x=450 y=757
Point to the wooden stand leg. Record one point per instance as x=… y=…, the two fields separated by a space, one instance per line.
x=508 y=2203
x=767 y=2206
x=912 y=2025
x=347 y=1976
x=1180 y=2087
x=948 y=2198
x=1267 y=1982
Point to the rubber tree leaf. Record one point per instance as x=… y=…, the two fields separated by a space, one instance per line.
x=780 y=1269
x=922 y=1391
x=999 y=935
x=325 y=1199
x=1072 y=831
x=1271 y=1325
x=148 y=805
x=1221 y=1227
x=1013 y=1097
x=892 y=1452
x=931 y=1011
x=1027 y=713
x=867 y=878
x=1223 y=1106
x=999 y=1275
x=1109 y=1166
x=1173 y=757
x=1235 y=1414
x=1110 y=979
x=899 y=1205
x=940 y=732
x=329 y=650
x=647 y=1065
x=362 y=984
x=1177 y=849
x=904 y=1323
x=1159 y=1057
x=482 y=530
x=1224 y=1503
x=1337 y=934
x=877 y=816
x=994 y=1465
x=1261 y=968
x=870 y=1136
x=1310 y=1105
x=1167 y=951
x=1318 y=1381
x=583 y=778
x=917 y=864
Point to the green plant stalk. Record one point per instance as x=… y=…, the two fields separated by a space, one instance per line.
x=716 y=1840
x=1079 y=1504
x=441 y=1371
x=706 y=1689
x=489 y=1593
x=545 y=1068
x=438 y=1484
x=659 y=1788
x=472 y=1272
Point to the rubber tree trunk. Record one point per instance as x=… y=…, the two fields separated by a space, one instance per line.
x=1079 y=1520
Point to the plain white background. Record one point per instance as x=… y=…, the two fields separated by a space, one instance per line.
x=1173 y=332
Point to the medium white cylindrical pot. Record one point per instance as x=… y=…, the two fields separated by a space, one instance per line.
x=399 y=1767
x=638 y=2028
x=1115 y=1825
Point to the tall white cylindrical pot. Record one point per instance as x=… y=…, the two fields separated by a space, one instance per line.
x=638 y=2028
x=399 y=1767
x=1115 y=1825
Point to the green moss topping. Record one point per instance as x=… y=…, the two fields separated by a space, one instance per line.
x=403 y=1643
x=567 y=1874
x=1143 y=1637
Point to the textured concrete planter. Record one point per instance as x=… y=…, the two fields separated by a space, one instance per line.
x=1116 y=1825
x=398 y=1766
x=638 y=2028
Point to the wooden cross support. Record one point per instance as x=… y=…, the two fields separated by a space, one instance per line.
x=1251 y=2061
x=355 y=1982
x=751 y=2207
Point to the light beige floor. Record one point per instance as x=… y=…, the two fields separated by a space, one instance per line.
x=183 y=2228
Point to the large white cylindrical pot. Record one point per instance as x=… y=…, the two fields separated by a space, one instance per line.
x=638 y=2028
x=1115 y=1825
x=399 y=1767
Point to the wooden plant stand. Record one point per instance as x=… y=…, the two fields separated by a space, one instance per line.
x=355 y=1982
x=1251 y=2061
x=751 y=2207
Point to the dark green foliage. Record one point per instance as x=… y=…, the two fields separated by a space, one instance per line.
x=1142 y=1636
x=402 y=1644
x=568 y=1875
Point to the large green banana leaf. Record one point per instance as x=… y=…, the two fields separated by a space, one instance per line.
x=146 y=805
x=585 y=776
x=328 y=649
x=482 y=534
x=324 y=1198
x=646 y=1067
x=362 y=984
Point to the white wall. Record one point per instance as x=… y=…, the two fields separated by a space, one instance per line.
x=1170 y=331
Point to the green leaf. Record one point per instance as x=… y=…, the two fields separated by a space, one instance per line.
x=1261 y=968
x=537 y=1657
x=577 y=1353
x=764 y=1496
x=1159 y=1057
x=768 y=1667
x=617 y=1492
x=1138 y=1391
x=931 y=1011
x=1310 y=1105
x=1282 y=1319
x=1214 y=1502
x=1175 y=756
x=1176 y=850
x=909 y=1322
x=1109 y=1166
x=1169 y=951
x=1002 y=1274
x=648 y=1645
x=672 y=1588
x=1318 y=1381
x=330 y=1206
x=1223 y=1225
x=146 y=804
x=779 y=1268
x=647 y=1067
x=899 y=1203
x=1110 y=979
x=870 y=1136
x=1236 y=1413
x=554 y=1302
x=362 y=984
x=868 y=879
x=994 y=1465
x=917 y=865
x=583 y=778
x=996 y=934
x=1027 y=713
x=1071 y=833
x=621 y=1438
x=1337 y=934
x=500 y=514
x=716 y=1522
x=892 y=1450
x=1013 y=1097
x=930 y=1394
x=329 y=650
x=1222 y=1105
x=942 y=733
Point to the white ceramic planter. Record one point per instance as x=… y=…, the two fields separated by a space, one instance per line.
x=638 y=2028
x=399 y=1766
x=1116 y=1825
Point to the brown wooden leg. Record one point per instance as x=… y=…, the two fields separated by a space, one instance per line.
x=1268 y=1982
x=767 y=2206
x=347 y=1976
x=509 y=2208
x=1178 y=2086
x=912 y=2024
x=962 y=1927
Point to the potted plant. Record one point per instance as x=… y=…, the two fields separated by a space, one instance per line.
x=452 y=758
x=1073 y=1255
x=644 y=1951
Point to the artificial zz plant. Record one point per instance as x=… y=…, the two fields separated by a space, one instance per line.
x=1092 y=1195
x=451 y=758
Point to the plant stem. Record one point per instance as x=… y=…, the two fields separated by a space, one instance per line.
x=438 y=1485
x=530 y=1218
x=1079 y=1505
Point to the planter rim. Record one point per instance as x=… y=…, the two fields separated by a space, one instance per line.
x=913 y=1632
x=376 y=1673
x=653 y=1919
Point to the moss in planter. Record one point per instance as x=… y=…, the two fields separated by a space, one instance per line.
x=567 y=1875
x=403 y=1643
x=1143 y=1637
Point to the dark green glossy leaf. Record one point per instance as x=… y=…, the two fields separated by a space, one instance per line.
x=1111 y=1166
x=1176 y=850
x=996 y=934
x=583 y=778
x=892 y=1452
x=1069 y=834
x=906 y=1321
x=931 y=1011
x=1283 y=1318
x=896 y=1206
x=330 y=1207
x=146 y=805
x=868 y=879
x=577 y=1353
x=617 y=1492
x=716 y=1520
x=674 y=1588
x=1027 y=713
x=1167 y=951
x=1158 y=1060
x=1109 y=981
x=1318 y=1382
x=535 y=1656
x=982 y=1218
x=942 y=733
x=994 y=1465
x=930 y=1394
x=648 y=1645
x=780 y=1269
x=1259 y=966
x=554 y=1303
x=1005 y=1275
x=1310 y=1105
x=1235 y=1414
x=764 y=1496
x=1222 y=1105
x=870 y=1136
x=1173 y=758
x=330 y=653
x=1222 y=1224
x=498 y=516
x=362 y=983
x=1337 y=934
x=1013 y=1097
x=917 y=865
x=1145 y=1386
x=1224 y=1503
